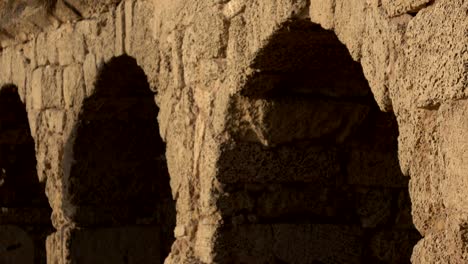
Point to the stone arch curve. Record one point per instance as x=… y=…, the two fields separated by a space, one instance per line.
x=118 y=182
x=415 y=70
x=25 y=216
x=312 y=174
x=392 y=40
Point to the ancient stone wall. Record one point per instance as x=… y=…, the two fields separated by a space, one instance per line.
x=312 y=162
x=25 y=218
x=79 y=93
x=275 y=142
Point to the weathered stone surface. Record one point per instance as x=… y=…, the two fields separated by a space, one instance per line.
x=272 y=135
x=5 y=70
x=399 y=7
x=452 y=145
x=90 y=73
x=73 y=86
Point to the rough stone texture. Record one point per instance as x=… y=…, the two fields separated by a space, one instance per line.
x=275 y=144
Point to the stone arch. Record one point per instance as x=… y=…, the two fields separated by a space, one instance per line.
x=25 y=216
x=312 y=175
x=119 y=182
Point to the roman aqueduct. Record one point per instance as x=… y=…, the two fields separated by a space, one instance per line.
x=233 y=131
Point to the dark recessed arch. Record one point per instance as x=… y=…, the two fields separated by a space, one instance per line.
x=25 y=216
x=313 y=178
x=119 y=178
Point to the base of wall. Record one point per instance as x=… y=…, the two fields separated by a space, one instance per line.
x=118 y=245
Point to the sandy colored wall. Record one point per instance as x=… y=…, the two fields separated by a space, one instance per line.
x=200 y=58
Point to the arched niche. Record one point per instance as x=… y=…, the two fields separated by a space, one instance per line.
x=25 y=213
x=312 y=175
x=119 y=182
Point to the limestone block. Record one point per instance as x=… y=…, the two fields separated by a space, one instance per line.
x=32 y=118
x=5 y=66
x=119 y=245
x=176 y=60
x=210 y=71
x=236 y=51
x=207 y=39
x=29 y=53
x=70 y=46
x=87 y=37
x=73 y=86
x=119 y=29
x=79 y=47
x=349 y=24
x=140 y=43
x=453 y=147
x=48 y=153
x=51 y=88
x=322 y=12
x=398 y=7
x=104 y=47
x=16 y=246
x=41 y=49
x=416 y=145
x=54 y=120
x=18 y=70
x=379 y=52
x=434 y=61
x=57 y=246
x=205 y=236
x=36 y=88
x=128 y=25
x=52 y=53
x=90 y=73
x=87 y=28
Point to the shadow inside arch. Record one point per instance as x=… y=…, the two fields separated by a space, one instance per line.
x=315 y=177
x=120 y=178
x=25 y=216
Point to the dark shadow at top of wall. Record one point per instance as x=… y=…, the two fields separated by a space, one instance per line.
x=302 y=58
